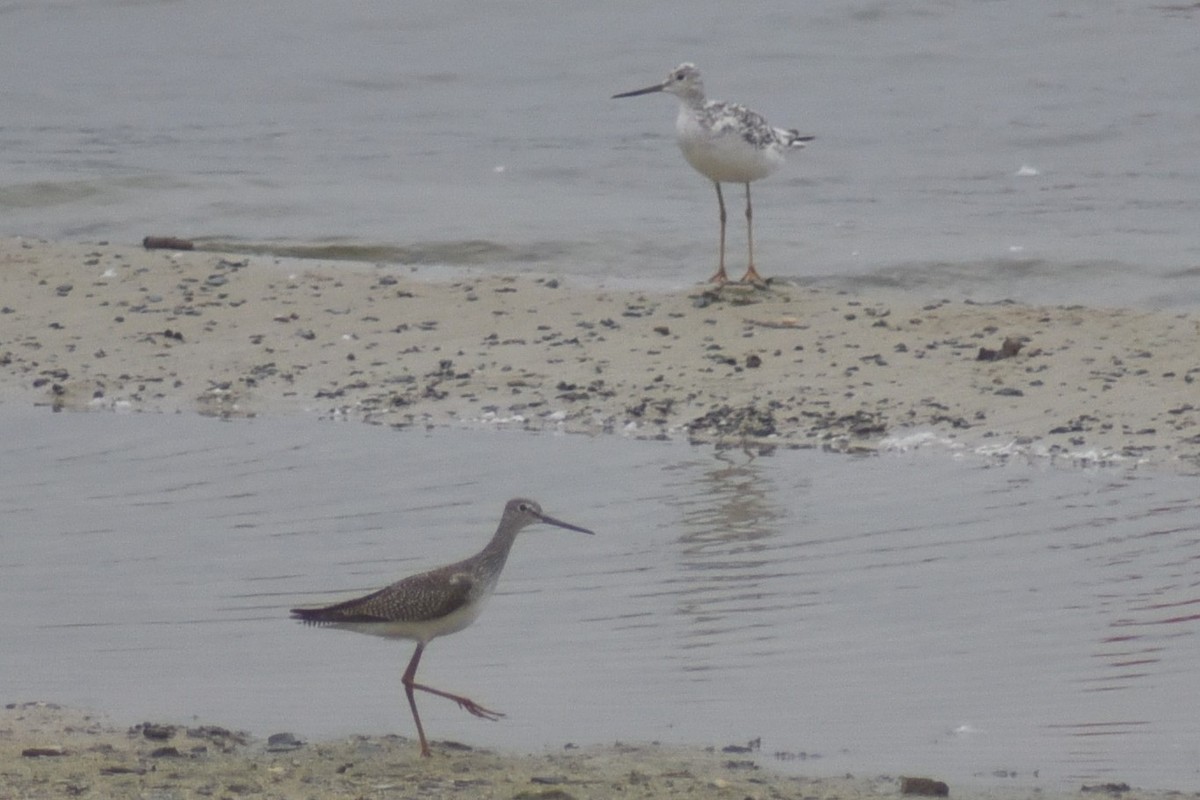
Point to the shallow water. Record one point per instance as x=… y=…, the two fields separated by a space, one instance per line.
x=1043 y=152
x=904 y=613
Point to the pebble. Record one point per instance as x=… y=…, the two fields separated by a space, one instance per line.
x=282 y=742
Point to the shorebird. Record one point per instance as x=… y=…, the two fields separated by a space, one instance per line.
x=440 y=601
x=726 y=143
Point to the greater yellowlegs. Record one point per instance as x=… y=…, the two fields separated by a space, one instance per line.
x=434 y=603
x=726 y=143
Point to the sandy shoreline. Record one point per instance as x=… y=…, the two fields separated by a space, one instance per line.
x=49 y=752
x=98 y=326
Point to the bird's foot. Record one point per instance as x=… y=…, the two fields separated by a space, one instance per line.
x=465 y=703
x=753 y=278
x=719 y=278
x=470 y=705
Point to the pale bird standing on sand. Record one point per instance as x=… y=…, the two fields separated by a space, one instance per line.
x=725 y=142
x=440 y=601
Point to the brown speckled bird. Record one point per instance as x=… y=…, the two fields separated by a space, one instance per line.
x=435 y=603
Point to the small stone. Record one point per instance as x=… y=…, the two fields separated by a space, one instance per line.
x=282 y=742
x=924 y=786
x=153 y=730
x=51 y=751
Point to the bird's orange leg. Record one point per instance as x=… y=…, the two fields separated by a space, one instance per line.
x=720 y=277
x=751 y=275
x=407 y=680
x=463 y=702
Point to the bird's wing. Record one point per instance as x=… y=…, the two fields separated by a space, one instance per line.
x=732 y=118
x=430 y=595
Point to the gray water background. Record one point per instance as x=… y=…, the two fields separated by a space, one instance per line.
x=906 y=613
x=1040 y=151
x=902 y=614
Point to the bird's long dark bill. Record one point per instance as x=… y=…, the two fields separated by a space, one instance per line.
x=559 y=523
x=658 y=87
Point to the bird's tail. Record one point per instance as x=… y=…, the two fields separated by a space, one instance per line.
x=793 y=138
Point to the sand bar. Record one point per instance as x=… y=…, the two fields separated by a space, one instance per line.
x=52 y=752
x=100 y=326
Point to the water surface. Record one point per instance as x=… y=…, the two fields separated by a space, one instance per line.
x=1023 y=149
x=896 y=614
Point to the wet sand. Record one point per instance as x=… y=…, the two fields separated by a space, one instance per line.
x=96 y=326
x=52 y=752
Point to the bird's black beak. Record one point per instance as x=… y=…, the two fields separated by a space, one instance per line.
x=549 y=520
x=656 y=88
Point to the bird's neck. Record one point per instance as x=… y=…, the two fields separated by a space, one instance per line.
x=495 y=553
x=693 y=101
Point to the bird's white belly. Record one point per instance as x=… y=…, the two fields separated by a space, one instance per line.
x=423 y=630
x=726 y=157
